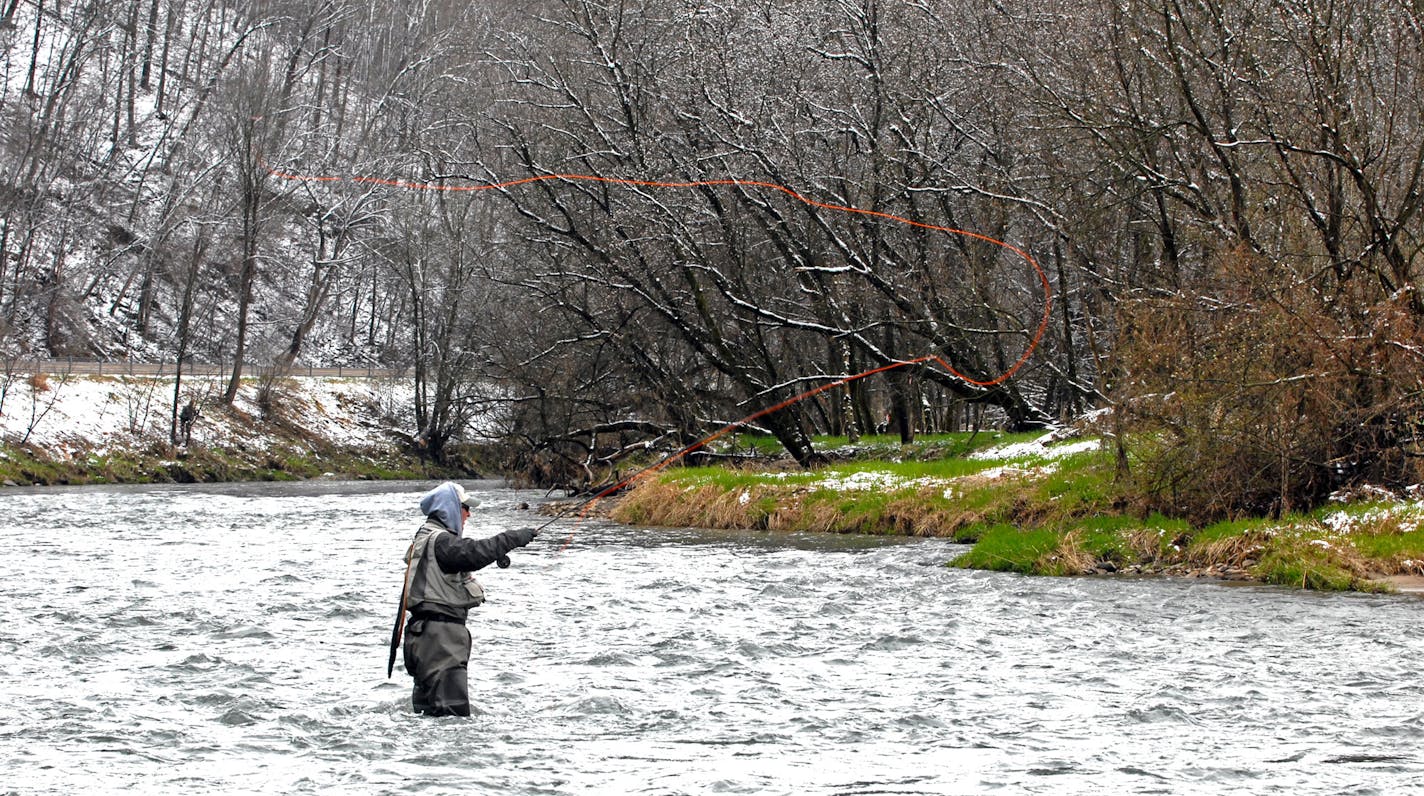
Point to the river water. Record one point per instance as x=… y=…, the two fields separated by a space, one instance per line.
x=232 y=639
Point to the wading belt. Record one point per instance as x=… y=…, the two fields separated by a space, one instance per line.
x=425 y=616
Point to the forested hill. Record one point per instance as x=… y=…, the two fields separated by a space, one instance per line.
x=1224 y=200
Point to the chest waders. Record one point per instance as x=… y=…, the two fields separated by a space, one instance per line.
x=437 y=643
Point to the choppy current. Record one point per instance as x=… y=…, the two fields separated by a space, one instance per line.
x=232 y=639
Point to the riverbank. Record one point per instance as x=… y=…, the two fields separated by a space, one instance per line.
x=1044 y=505
x=1035 y=504
x=95 y=429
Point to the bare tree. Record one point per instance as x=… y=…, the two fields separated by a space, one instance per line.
x=752 y=281
x=1270 y=198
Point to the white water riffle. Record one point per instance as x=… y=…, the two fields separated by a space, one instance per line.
x=232 y=639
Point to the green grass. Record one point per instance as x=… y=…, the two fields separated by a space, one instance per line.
x=1005 y=548
x=1408 y=545
x=19 y=466
x=1087 y=543
x=860 y=511
x=729 y=479
x=1227 y=529
x=1064 y=516
x=922 y=496
x=936 y=468
x=1308 y=564
x=953 y=444
x=1080 y=485
x=202 y=465
x=1109 y=537
x=1384 y=532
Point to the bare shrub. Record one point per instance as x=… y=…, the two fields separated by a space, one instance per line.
x=1260 y=392
x=273 y=396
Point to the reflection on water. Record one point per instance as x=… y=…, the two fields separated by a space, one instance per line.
x=230 y=639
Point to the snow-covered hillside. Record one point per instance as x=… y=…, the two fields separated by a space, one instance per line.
x=68 y=417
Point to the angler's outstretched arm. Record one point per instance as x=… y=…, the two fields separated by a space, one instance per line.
x=459 y=554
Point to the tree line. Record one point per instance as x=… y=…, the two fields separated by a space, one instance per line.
x=1224 y=198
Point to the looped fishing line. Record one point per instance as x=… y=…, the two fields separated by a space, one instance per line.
x=588 y=504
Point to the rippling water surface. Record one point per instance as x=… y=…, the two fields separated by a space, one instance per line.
x=231 y=639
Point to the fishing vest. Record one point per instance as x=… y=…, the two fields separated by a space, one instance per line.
x=431 y=589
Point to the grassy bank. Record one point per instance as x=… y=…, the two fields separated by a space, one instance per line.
x=1054 y=509
x=24 y=466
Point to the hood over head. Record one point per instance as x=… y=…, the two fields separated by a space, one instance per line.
x=444 y=503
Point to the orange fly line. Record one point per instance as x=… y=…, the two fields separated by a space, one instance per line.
x=729 y=182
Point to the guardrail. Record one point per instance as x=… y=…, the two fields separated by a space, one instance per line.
x=66 y=367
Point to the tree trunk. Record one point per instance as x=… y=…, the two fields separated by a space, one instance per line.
x=152 y=31
x=35 y=49
x=185 y=322
x=8 y=18
x=251 y=212
x=785 y=425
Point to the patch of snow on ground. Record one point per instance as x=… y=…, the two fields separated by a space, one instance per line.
x=995 y=473
x=70 y=415
x=1345 y=522
x=1036 y=448
x=881 y=480
x=862 y=481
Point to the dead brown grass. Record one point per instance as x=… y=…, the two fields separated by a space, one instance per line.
x=709 y=506
x=1070 y=557
x=1234 y=551
x=821 y=517
x=923 y=515
x=1145 y=545
x=1401 y=565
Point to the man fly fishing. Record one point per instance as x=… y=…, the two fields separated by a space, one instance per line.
x=439 y=591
